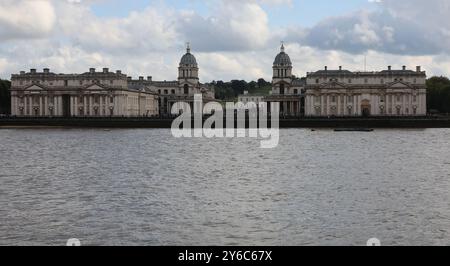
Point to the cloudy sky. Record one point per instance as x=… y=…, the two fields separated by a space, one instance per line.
x=232 y=39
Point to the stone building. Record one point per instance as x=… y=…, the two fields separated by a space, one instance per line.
x=104 y=93
x=248 y=97
x=385 y=93
x=89 y=94
x=181 y=90
x=286 y=88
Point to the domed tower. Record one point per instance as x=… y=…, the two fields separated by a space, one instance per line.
x=188 y=73
x=282 y=72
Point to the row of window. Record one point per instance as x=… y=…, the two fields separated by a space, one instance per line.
x=366 y=81
x=382 y=98
x=166 y=92
x=350 y=111
x=66 y=82
x=51 y=100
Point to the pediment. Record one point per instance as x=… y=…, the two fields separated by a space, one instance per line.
x=336 y=85
x=95 y=87
x=35 y=87
x=399 y=85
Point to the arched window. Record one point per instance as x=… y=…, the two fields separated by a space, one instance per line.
x=282 y=89
x=186 y=89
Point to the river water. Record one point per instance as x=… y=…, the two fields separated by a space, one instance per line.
x=145 y=187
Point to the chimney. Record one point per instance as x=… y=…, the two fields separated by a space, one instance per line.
x=46 y=70
x=129 y=78
x=119 y=72
x=404 y=67
x=149 y=78
x=33 y=71
x=92 y=70
x=418 y=69
x=141 y=78
x=326 y=68
x=389 y=68
x=340 y=68
x=22 y=72
x=105 y=70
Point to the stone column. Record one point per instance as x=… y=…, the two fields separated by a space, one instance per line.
x=85 y=105
x=91 y=109
x=46 y=105
x=13 y=105
x=403 y=104
x=71 y=105
x=56 y=106
x=25 y=105
x=102 y=105
x=40 y=106
x=75 y=99
x=30 y=103
x=338 y=105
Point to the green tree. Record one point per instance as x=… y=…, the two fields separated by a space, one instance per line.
x=5 y=97
x=438 y=94
x=262 y=83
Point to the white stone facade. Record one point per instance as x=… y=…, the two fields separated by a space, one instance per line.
x=384 y=93
x=286 y=89
x=104 y=93
x=94 y=94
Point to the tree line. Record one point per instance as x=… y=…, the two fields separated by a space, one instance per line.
x=231 y=89
x=438 y=95
x=5 y=97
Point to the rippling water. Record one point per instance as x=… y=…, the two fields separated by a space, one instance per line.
x=144 y=187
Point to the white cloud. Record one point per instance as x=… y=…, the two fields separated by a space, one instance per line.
x=235 y=26
x=235 y=41
x=26 y=19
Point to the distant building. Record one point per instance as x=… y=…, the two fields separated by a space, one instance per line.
x=89 y=94
x=385 y=93
x=247 y=97
x=286 y=88
x=181 y=90
x=322 y=93
x=104 y=93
